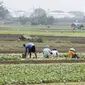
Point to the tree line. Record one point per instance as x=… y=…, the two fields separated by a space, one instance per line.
x=38 y=17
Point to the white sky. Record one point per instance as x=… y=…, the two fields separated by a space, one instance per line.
x=64 y=5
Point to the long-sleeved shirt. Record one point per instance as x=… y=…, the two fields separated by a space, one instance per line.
x=70 y=53
x=46 y=52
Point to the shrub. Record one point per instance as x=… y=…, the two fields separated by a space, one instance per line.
x=39 y=39
x=36 y=39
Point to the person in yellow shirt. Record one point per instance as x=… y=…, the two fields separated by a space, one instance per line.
x=72 y=53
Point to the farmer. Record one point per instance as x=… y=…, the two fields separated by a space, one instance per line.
x=55 y=53
x=30 y=48
x=46 y=51
x=72 y=53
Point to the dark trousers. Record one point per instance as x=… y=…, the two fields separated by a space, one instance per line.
x=75 y=56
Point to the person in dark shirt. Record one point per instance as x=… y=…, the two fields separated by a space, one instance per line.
x=30 y=48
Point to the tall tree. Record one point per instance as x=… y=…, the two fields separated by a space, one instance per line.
x=38 y=17
x=3 y=11
x=23 y=20
x=50 y=20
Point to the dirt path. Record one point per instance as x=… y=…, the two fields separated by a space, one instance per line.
x=35 y=61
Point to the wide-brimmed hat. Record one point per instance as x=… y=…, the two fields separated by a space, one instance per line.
x=72 y=49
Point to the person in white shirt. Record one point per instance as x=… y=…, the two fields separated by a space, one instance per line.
x=55 y=53
x=46 y=51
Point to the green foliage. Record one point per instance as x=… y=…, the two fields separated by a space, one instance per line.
x=50 y=20
x=39 y=17
x=23 y=20
x=3 y=11
x=47 y=73
x=36 y=39
x=10 y=57
x=39 y=39
x=81 y=55
x=23 y=55
x=65 y=55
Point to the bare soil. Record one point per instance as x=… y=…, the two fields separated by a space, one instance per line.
x=35 y=61
x=12 y=41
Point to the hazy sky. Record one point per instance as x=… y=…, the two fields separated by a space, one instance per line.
x=65 y=5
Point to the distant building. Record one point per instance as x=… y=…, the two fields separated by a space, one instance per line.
x=57 y=14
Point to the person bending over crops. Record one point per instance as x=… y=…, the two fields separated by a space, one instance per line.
x=72 y=53
x=46 y=51
x=30 y=48
x=55 y=53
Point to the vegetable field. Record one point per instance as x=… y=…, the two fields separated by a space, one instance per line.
x=32 y=74
x=70 y=72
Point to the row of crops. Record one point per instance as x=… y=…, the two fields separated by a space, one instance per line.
x=24 y=74
x=41 y=73
x=10 y=57
x=40 y=56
